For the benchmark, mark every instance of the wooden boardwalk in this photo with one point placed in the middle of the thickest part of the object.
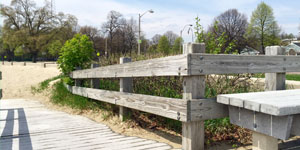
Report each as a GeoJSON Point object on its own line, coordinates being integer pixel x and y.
{"type": "Point", "coordinates": [27, 125]}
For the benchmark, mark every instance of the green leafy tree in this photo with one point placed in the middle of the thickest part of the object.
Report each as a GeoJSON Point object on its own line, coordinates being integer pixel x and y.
{"type": "Point", "coordinates": [54, 48]}
{"type": "Point", "coordinates": [76, 52]}
{"type": "Point", "coordinates": [263, 26]}
{"type": "Point", "coordinates": [34, 27]}
{"type": "Point", "coordinates": [214, 43]}
{"type": "Point", "coordinates": [176, 49]}
{"type": "Point", "coordinates": [19, 51]}
{"type": "Point", "coordinates": [163, 45]}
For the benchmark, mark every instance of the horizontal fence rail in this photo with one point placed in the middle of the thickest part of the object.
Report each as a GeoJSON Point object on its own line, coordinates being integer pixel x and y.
{"type": "Point", "coordinates": [202, 64]}
{"type": "Point", "coordinates": [177, 109]}
{"type": "Point", "coordinates": [167, 66]}
{"type": "Point", "coordinates": [195, 64]}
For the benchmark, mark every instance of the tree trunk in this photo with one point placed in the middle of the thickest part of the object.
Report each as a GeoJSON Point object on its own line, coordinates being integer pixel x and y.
{"type": "Point", "coordinates": [34, 57]}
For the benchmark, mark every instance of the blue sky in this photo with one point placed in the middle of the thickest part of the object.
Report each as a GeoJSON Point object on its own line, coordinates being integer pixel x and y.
{"type": "Point", "coordinates": [174, 14]}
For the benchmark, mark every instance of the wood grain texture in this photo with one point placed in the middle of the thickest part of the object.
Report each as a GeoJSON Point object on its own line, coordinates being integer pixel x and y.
{"type": "Point", "coordinates": [167, 66]}
{"type": "Point", "coordinates": [166, 107]}
{"type": "Point", "coordinates": [201, 64]}
{"type": "Point", "coordinates": [206, 109]}
{"type": "Point", "coordinates": [177, 109]}
{"type": "Point", "coordinates": [193, 88]}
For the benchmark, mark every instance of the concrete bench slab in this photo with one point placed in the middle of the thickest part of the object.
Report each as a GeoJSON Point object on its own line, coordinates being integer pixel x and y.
{"type": "Point", "coordinates": [277, 103]}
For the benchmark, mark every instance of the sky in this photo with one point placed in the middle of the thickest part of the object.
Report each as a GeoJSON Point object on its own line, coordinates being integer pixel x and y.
{"type": "Point", "coordinates": [173, 14]}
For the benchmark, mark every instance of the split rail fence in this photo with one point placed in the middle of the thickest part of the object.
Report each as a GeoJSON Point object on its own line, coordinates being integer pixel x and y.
{"type": "Point", "coordinates": [192, 65]}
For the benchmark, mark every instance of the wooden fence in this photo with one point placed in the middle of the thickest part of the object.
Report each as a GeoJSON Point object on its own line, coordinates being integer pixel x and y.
{"type": "Point", "coordinates": [193, 65]}
{"type": "Point", "coordinates": [39, 64]}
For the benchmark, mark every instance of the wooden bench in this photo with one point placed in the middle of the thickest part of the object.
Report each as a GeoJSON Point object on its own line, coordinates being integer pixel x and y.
{"type": "Point", "coordinates": [271, 115]}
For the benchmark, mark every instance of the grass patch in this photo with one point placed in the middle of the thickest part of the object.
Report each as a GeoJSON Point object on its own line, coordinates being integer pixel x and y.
{"type": "Point", "coordinates": [293, 77]}
{"type": "Point", "coordinates": [44, 85]}
{"type": "Point", "coordinates": [61, 96]}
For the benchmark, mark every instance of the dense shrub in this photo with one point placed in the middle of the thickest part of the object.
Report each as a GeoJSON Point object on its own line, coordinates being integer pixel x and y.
{"type": "Point", "coordinates": [76, 52]}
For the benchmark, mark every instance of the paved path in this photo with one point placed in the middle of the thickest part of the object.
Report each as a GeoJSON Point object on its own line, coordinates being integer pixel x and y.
{"type": "Point", "coordinates": [27, 125]}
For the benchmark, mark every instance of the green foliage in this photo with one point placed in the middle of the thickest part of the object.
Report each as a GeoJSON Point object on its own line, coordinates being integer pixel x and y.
{"type": "Point", "coordinates": [199, 31]}
{"type": "Point", "coordinates": [33, 27]}
{"type": "Point", "coordinates": [295, 77]}
{"type": "Point", "coordinates": [214, 43]}
{"type": "Point", "coordinates": [19, 51]}
{"type": "Point", "coordinates": [76, 52]}
{"type": "Point", "coordinates": [44, 85]}
{"type": "Point", "coordinates": [263, 26]}
{"type": "Point", "coordinates": [163, 45]}
{"type": "Point", "coordinates": [176, 49]}
{"type": "Point", "coordinates": [54, 48]}
{"type": "Point", "coordinates": [60, 95]}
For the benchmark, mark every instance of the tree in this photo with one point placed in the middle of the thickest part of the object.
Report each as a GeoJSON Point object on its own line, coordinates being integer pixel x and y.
{"type": "Point", "coordinates": [34, 27]}
{"type": "Point", "coordinates": [171, 37]}
{"type": "Point", "coordinates": [19, 51]}
{"type": "Point", "coordinates": [54, 48]}
{"type": "Point", "coordinates": [176, 49]}
{"type": "Point", "coordinates": [155, 39]}
{"type": "Point", "coordinates": [234, 25]}
{"type": "Point", "coordinates": [94, 35]}
{"type": "Point", "coordinates": [112, 24]}
{"type": "Point", "coordinates": [76, 52]}
{"type": "Point", "coordinates": [215, 44]}
{"type": "Point", "coordinates": [263, 24]}
{"type": "Point", "coordinates": [163, 45]}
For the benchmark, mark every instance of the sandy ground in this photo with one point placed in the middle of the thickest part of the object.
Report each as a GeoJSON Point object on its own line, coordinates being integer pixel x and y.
{"type": "Point", "coordinates": [18, 80]}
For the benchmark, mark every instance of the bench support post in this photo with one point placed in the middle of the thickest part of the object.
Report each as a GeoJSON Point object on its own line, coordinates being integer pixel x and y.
{"type": "Point", "coordinates": [264, 142]}
{"type": "Point", "coordinates": [193, 88]}
{"type": "Point", "coordinates": [125, 86]}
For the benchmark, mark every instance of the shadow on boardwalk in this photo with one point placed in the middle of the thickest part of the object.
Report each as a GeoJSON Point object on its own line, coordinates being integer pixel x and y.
{"type": "Point", "coordinates": [8, 135]}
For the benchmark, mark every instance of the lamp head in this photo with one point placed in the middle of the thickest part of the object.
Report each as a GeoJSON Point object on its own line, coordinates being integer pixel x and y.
{"type": "Point", "coordinates": [151, 11]}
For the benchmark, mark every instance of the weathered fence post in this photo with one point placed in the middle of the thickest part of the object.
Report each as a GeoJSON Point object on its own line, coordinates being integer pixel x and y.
{"type": "Point", "coordinates": [125, 86]}
{"type": "Point", "coordinates": [193, 88]}
{"type": "Point", "coordinates": [273, 81]}
{"type": "Point", "coordinates": [95, 83]}
{"type": "Point", "coordinates": [78, 82]}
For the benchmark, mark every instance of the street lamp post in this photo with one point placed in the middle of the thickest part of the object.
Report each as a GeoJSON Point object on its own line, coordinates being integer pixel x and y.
{"type": "Point", "coordinates": [181, 33]}
{"type": "Point", "coordinates": [139, 37]}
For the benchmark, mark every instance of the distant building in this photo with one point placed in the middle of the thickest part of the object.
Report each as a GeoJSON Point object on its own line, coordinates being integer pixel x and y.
{"type": "Point", "coordinates": [293, 48]}
{"type": "Point", "coordinates": [249, 51]}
